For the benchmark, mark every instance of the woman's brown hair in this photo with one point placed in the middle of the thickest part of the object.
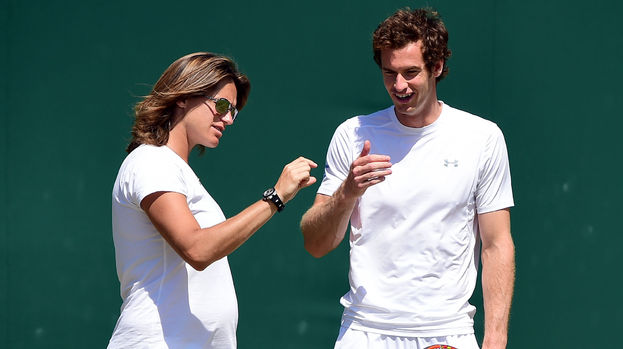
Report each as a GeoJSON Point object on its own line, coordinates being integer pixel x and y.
{"type": "Point", "coordinates": [196, 74]}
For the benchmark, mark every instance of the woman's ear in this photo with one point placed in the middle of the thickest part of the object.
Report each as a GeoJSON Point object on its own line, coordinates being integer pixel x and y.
{"type": "Point", "coordinates": [181, 103]}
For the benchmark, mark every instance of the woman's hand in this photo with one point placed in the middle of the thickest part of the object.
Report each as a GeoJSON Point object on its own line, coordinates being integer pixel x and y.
{"type": "Point", "coordinates": [294, 177]}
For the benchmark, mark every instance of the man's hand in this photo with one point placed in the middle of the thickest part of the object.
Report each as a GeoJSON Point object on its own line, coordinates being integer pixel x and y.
{"type": "Point", "coordinates": [366, 171]}
{"type": "Point", "coordinates": [324, 224]}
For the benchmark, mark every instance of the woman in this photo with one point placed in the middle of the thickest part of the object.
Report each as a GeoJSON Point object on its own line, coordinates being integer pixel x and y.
{"type": "Point", "coordinates": [171, 238]}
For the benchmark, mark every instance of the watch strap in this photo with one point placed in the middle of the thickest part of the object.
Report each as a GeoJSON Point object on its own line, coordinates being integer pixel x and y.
{"type": "Point", "coordinates": [270, 195]}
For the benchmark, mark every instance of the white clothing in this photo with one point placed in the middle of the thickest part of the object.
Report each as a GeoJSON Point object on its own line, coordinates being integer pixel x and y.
{"type": "Point", "coordinates": [167, 303]}
{"type": "Point", "coordinates": [414, 237]}
{"type": "Point", "coordinates": [354, 339]}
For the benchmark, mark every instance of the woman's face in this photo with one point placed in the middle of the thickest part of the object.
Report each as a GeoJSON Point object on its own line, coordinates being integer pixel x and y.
{"type": "Point", "coordinates": [204, 124]}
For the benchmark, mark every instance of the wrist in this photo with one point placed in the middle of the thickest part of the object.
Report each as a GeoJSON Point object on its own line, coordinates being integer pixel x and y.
{"type": "Point", "coordinates": [494, 342]}
{"type": "Point", "coordinates": [281, 193]}
{"type": "Point", "coordinates": [343, 196]}
{"type": "Point", "coordinates": [271, 196]}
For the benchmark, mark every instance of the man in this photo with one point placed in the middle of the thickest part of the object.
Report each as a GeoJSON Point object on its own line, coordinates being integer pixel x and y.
{"type": "Point", "coordinates": [425, 187]}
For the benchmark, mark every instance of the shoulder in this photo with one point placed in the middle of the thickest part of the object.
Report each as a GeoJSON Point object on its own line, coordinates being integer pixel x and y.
{"type": "Point", "coordinates": [156, 155]}
{"type": "Point", "coordinates": [148, 169]}
{"type": "Point", "coordinates": [464, 121]}
{"type": "Point", "coordinates": [374, 120]}
{"type": "Point", "coordinates": [146, 152]}
{"type": "Point", "coordinates": [150, 160]}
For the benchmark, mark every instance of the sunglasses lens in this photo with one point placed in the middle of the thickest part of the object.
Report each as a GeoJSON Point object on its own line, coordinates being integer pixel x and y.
{"type": "Point", "coordinates": [222, 106]}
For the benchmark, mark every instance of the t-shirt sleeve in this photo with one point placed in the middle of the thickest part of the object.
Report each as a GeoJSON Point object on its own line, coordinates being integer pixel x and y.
{"type": "Point", "coordinates": [494, 191]}
{"type": "Point", "coordinates": [154, 175]}
{"type": "Point", "coordinates": [339, 159]}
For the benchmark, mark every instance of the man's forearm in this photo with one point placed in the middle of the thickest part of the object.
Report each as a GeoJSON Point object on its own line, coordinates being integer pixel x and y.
{"type": "Point", "coordinates": [325, 223]}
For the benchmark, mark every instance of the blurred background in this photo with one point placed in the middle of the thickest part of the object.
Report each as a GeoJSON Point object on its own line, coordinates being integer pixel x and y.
{"type": "Point", "coordinates": [548, 73]}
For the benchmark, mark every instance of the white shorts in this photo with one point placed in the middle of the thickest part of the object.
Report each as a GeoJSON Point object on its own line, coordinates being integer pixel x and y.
{"type": "Point", "coordinates": [356, 339]}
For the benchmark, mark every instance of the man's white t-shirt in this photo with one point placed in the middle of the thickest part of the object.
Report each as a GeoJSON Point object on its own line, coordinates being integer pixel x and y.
{"type": "Point", "coordinates": [166, 303]}
{"type": "Point", "coordinates": [414, 237]}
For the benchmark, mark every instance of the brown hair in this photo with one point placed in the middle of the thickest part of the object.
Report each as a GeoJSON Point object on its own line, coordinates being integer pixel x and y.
{"type": "Point", "coordinates": [195, 74]}
{"type": "Point", "coordinates": [406, 26]}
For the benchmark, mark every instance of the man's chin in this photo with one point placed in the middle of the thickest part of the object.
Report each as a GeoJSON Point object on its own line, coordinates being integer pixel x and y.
{"type": "Point", "coordinates": [405, 110]}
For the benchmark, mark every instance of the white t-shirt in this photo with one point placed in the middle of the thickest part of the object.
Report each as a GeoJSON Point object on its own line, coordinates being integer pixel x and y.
{"type": "Point", "coordinates": [414, 237]}
{"type": "Point", "coordinates": [166, 303]}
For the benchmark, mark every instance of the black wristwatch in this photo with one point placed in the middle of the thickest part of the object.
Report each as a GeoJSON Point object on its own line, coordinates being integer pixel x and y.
{"type": "Point", "coordinates": [270, 195]}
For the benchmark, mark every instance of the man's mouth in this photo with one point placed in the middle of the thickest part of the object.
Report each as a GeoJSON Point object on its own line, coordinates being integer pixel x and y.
{"type": "Point", "coordinates": [403, 97]}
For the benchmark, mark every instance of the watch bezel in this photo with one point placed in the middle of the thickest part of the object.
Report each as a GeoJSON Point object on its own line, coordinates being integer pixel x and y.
{"type": "Point", "coordinates": [271, 195]}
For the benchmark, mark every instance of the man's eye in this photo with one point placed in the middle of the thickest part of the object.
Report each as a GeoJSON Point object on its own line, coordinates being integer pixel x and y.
{"type": "Point", "coordinates": [412, 73]}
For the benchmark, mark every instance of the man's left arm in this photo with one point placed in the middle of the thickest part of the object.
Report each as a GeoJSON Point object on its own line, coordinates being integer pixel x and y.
{"type": "Point", "coordinates": [498, 275]}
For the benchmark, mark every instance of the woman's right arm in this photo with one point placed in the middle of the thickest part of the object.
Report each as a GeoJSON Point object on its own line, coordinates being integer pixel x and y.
{"type": "Point", "coordinates": [171, 216]}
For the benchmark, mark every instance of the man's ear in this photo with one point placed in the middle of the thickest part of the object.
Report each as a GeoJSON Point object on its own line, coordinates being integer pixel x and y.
{"type": "Point", "coordinates": [439, 68]}
{"type": "Point", "coordinates": [181, 103]}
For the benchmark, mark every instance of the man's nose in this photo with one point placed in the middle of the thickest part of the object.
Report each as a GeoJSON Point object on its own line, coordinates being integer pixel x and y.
{"type": "Point", "coordinates": [400, 83]}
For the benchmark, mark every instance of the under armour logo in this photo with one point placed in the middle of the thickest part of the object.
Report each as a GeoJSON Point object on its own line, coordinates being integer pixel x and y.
{"type": "Point", "coordinates": [448, 163]}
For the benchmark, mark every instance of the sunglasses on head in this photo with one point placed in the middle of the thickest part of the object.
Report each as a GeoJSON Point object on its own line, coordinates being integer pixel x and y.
{"type": "Point", "coordinates": [222, 106]}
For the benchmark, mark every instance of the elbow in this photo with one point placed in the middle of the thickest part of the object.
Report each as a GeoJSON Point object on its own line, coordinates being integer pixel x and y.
{"type": "Point", "coordinates": [499, 253]}
{"type": "Point", "coordinates": [508, 247]}
{"type": "Point", "coordinates": [198, 266]}
{"type": "Point", "coordinates": [316, 253]}
{"type": "Point", "coordinates": [315, 250]}
{"type": "Point", "coordinates": [198, 261]}
{"type": "Point", "coordinates": [312, 247]}
{"type": "Point", "coordinates": [316, 241]}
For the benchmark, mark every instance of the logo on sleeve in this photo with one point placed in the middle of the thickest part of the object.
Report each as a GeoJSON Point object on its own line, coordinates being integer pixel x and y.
{"type": "Point", "coordinates": [440, 346]}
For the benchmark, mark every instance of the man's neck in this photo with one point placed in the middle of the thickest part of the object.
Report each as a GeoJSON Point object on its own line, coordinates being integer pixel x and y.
{"type": "Point", "coordinates": [421, 118]}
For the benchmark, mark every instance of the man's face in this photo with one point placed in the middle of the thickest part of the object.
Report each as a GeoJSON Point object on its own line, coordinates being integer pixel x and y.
{"type": "Point", "coordinates": [410, 85]}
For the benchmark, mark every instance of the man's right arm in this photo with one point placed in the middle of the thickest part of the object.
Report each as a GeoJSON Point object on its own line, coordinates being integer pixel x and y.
{"type": "Point", "coordinates": [325, 223]}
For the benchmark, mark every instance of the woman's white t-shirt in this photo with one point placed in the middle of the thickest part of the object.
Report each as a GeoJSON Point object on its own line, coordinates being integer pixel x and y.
{"type": "Point", "coordinates": [167, 303]}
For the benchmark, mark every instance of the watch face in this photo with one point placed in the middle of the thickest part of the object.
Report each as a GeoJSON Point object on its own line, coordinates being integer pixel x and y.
{"type": "Point", "coordinates": [269, 191]}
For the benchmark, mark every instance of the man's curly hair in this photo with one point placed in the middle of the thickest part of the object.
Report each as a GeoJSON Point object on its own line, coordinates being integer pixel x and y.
{"type": "Point", "coordinates": [406, 26]}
